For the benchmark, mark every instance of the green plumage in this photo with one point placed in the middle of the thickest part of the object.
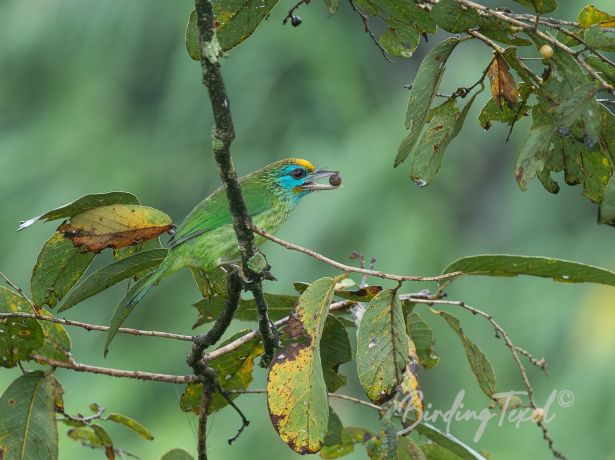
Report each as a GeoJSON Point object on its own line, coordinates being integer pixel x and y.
{"type": "Point", "coordinates": [206, 237]}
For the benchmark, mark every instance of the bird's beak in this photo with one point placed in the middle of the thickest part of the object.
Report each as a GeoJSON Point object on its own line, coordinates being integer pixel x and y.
{"type": "Point", "coordinates": [311, 185]}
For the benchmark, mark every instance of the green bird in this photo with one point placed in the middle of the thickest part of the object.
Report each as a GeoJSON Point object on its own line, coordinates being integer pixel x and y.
{"type": "Point", "coordinates": [206, 237]}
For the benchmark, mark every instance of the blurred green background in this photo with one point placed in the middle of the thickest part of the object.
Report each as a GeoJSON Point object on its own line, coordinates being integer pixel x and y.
{"type": "Point", "coordinates": [101, 95]}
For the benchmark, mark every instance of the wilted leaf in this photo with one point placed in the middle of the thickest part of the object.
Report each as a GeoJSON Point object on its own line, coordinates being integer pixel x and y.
{"type": "Point", "coordinates": [422, 335]}
{"type": "Point", "coordinates": [591, 15]}
{"type": "Point", "coordinates": [27, 418]}
{"type": "Point", "coordinates": [334, 351]}
{"type": "Point", "coordinates": [480, 365]}
{"type": "Point", "coordinates": [132, 424]}
{"type": "Point", "coordinates": [454, 17]}
{"type": "Point", "coordinates": [105, 439]}
{"type": "Point", "coordinates": [233, 372]}
{"type": "Point", "coordinates": [86, 436]}
{"type": "Point", "coordinates": [540, 6]}
{"type": "Point", "coordinates": [177, 454]}
{"type": "Point", "coordinates": [422, 93]}
{"type": "Point", "coordinates": [444, 125]}
{"type": "Point", "coordinates": [503, 84]}
{"type": "Point", "coordinates": [115, 226]}
{"type": "Point", "coordinates": [18, 336]}
{"type": "Point", "coordinates": [296, 389]}
{"type": "Point", "coordinates": [494, 111]}
{"type": "Point", "coordinates": [111, 274]}
{"type": "Point", "coordinates": [382, 347]}
{"type": "Point", "coordinates": [350, 436]}
{"type": "Point", "coordinates": [58, 267]}
{"type": "Point", "coordinates": [598, 38]}
{"type": "Point", "coordinates": [507, 265]}
{"type": "Point", "coordinates": [83, 204]}
{"type": "Point", "coordinates": [279, 306]}
{"type": "Point", "coordinates": [448, 442]}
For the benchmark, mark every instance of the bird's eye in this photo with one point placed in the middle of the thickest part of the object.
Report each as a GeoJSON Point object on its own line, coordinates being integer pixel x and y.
{"type": "Point", "coordinates": [298, 173]}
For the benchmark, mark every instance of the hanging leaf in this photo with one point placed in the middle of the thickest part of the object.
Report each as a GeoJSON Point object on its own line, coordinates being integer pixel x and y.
{"type": "Point", "coordinates": [350, 436]}
{"type": "Point", "coordinates": [540, 6]}
{"type": "Point", "coordinates": [508, 265]}
{"type": "Point", "coordinates": [480, 365]}
{"type": "Point", "coordinates": [332, 5]}
{"type": "Point", "coordinates": [18, 336]}
{"type": "Point", "coordinates": [111, 274]}
{"type": "Point", "coordinates": [115, 226]}
{"type": "Point", "coordinates": [422, 335]}
{"type": "Point", "coordinates": [334, 351]}
{"type": "Point", "coordinates": [177, 454]}
{"type": "Point", "coordinates": [105, 439]}
{"type": "Point", "coordinates": [400, 42]}
{"type": "Point", "coordinates": [382, 347]}
{"type": "Point", "coordinates": [296, 390]}
{"type": "Point", "coordinates": [83, 204]}
{"type": "Point", "coordinates": [591, 15]}
{"type": "Point", "coordinates": [279, 306]}
{"type": "Point", "coordinates": [58, 268]}
{"type": "Point", "coordinates": [445, 123]}
{"type": "Point", "coordinates": [334, 430]}
{"type": "Point", "coordinates": [132, 424]}
{"type": "Point", "coordinates": [233, 372]}
{"type": "Point", "coordinates": [86, 436]}
{"type": "Point", "coordinates": [454, 17]}
{"type": "Point", "coordinates": [503, 84]}
{"type": "Point", "coordinates": [27, 418]}
{"type": "Point", "coordinates": [422, 93]}
{"type": "Point", "coordinates": [210, 283]}
{"type": "Point", "coordinates": [533, 153]}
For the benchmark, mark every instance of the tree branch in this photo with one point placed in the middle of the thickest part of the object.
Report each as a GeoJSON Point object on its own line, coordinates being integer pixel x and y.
{"type": "Point", "coordinates": [368, 31]}
{"type": "Point", "coordinates": [223, 135]}
{"type": "Point", "coordinates": [349, 268]}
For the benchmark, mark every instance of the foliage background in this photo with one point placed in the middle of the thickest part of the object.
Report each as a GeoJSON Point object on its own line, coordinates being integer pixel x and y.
{"type": "Point", "coordinates": [98, 96]}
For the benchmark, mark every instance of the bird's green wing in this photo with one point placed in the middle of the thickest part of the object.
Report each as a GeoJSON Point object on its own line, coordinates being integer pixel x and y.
{"type": "Point", "coordinates": [213, 211]}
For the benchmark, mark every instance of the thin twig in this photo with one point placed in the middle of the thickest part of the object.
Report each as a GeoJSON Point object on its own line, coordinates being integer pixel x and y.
{"type": "Point", "coordinates": [349, 268]}
{"type": "Point", "coordinates": [540, 363]}
{"type": "Point", "coordinates": [295, 20]}
{"type": "Point", "coordinates": [368, 31]}
{"type": "Point", "coordinates": [244, 420]}
{"type": "Point", "coordinates": [19, 291]}
{"type": "Point", "coordinates": [138, 375]}
{"type": "Point", "coordinates": [96, 327]}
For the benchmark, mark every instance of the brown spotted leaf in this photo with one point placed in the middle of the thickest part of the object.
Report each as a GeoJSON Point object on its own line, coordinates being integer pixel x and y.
{"type": "Point", "coordinates": [382, 347]}
{"type": "Point", "coordinates": [296, 389]}
{"type": "Point", "coordinates": [503, 84]}
{"type": "Point", "coordinates": [115, 226]}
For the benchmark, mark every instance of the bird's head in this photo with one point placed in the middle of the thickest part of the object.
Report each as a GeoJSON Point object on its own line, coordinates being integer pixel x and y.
{"type": "Point", "coordinates": [296, 178]}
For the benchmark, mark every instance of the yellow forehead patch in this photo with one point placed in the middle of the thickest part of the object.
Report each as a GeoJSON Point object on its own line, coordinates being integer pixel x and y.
{"type": "Point", "coordinates": [306, 164]}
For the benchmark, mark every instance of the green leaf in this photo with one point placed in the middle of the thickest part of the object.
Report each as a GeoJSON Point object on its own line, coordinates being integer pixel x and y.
{"type": "Point", "coordinates": [233, 372]}
{"type": "Point", "coordinates": [86, 436]}
{"type": "Point", "coordinates": [123, 310]}
{"type": "Point", "coordinates": [422, 335]}
{"type": "Point", "coordinates": [540, 6]}
{"type": "Point", "coordinates": [279, 306]}
{"type": "Point", "coordinates": [192, 37]}
{"type": "Point", "coordinates": [400, 42]}
{"type": "Point", "coordinates": [296, 389]}
{"type": "Point", "coordinates": [531, 156]}
{"type": "Point", "coordinates": [132, 424]}
{"type": "Point", "coordinates": [18, 336]}
{"type": "Point", "coordinates": [177, 454]}
{"type": "Point", "coordinates": [334, 351]}
{"type": "Point", "coordinates": [83, 204]}
{"type": "Point", "coordinates": [28, 427]}
{"type": "Point", "coordinates": [605, 70]}
{"type": "Point", "coordinates": [500, 31]}
{"type": "Point", "coordinates": [453, 17]}
{"type": "Point", "coordinates": [115, 226]}
{"type": "Point", "coordinates": [58, 268]}
{"type": "Point", "coordinates": [449, 442]}
{"type": "Point", "coordinates": [422, 93]}
{"type": "Point", "coordinates": [598, 38]}
{"type": "Point", "coordinates": [382, 347]}
{"type": "Point", "coordinates": [445, 123]}
{"type": "Point", "coordinates": [332, 5]}
{"type": "Point", "coordinates": [334, 430]}
{"type": "Point", "coordinates": [364, 294]}
{"type": "Point", "coordinates": [350, 436]}
{"type": "Point", "coordinates": [494, 111]}
{"type": "Point", "coordinates": [407, 449]}
{"type": "Point", "coordinates": [572, 109]}
{"type": "Point", "coordinates": [591, 15]}
{"type": "Point", "coordinates": [480, 365]}
{"type": "Point", "coordinates": [56, 341]}
{"type": "Point", "coordinates": [122, 253]}
{"type": "Point", "coordinates": [210, 283]}
{"type": "Point", "coordinates": [509, 265]}
{"type": "Point", "coordinates": [111, 274]}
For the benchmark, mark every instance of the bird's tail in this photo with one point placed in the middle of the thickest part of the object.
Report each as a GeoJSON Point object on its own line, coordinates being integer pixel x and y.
{"type": "Point", "coordinates": [146, 286]}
